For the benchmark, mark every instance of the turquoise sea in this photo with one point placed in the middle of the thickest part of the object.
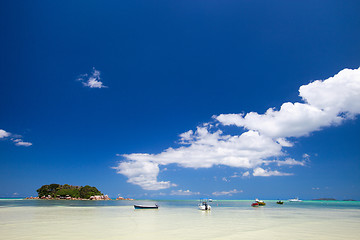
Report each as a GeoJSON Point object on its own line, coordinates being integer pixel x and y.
{"type": "Point", "coordinates": [51, 219]}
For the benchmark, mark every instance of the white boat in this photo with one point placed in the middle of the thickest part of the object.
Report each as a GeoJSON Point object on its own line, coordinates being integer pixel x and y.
{"type": "Point", "coordinates": [295, 200]}
{"type": "Point", "coordinates": [260, 202]}
{"type": "Point", "coordinates": [146, 207]}
{"type": "Point", "coordinates": [204, 205]}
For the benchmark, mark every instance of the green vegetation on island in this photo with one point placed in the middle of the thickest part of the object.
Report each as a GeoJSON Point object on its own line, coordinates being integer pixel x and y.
{"type": "Point", "coordinates": [61, 191]}
{"type": "Point", "coordinates": [325, 199]}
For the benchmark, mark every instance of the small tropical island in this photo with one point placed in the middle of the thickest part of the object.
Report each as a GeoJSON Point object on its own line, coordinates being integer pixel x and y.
{"type": "Point", "coordinates": [69, 192]}
{"type": "Point", "coordinates": [325, 199]}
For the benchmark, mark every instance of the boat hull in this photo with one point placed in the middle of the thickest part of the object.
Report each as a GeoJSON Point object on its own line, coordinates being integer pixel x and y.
{"type": "Point", "coordinates": [146, 207]}
{"type": "Point", "coordinates": [204, 208]}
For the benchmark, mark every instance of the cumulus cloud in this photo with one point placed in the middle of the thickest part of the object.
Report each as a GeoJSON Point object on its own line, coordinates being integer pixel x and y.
{"type": "Point", "coordinates": [20, 142]}
{"type": "Point", "coordinates": [92, 80]}
{"type": "Point", "coordinates": [338, 94]}
{"type": "Point", "coordinates": [290, 162]}
{"type": "Point", "coordinates": [306, 157]}
{"type": "Point", "coordinates": [4, 134]}
{"type": "Point", "coordinates": [292, 120]}
{"type": "Point", "coordinates": [260, 172]}
{"type": "Point", "coordinates": [184, 193]}
{"type": "Point", "coordinates": [325, 103]}
{"type": "Point", "coordinates": [228, 193]}
{"type": "Point", "coordinates": [283, 142]}
{"type": "Point", "coordinates": [205, 149]}
{"type": "Point", "coordinates": [235, 175]}
{"type": "Point", "coordinates": [143, 173]}
{"type": "Point", "coordinates": [14, 138]}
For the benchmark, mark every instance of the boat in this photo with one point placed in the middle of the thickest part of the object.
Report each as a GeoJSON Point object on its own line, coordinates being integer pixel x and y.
{"type": "Point", "coordinates": [295, 200]}
{"type": "Point", "coordinates": [280, 202]}
{"type": "Point", "coordinates": [260, 202]}
{"type": "Point", "coordinates": [255, 204]}
{"type": "Point", "coordinates": [204, 205]}
{"type": "Point", "coordinates": [146, 207]}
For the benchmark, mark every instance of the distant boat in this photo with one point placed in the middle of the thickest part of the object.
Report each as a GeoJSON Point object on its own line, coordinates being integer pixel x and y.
{"type": "Point", "coordinates": [204, 205]}
{"type": "Point", "coordinates": [146, 207]}
{"type": "Point", "coordinates": [255, 204]}
{"type": "Point", "coordinates": [260, 202]}
{"type": "Point", "coordinates": [295, 200]}
{"type": "Point", "coordinates": [280, 202]}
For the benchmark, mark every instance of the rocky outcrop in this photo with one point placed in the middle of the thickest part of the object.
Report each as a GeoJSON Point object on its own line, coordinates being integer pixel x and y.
{"type": "Point", "coordinates": [67, 197]}
{"type": "Point", "coordinates": [32, 198]}
{"type": "Point", "coordinates": [121, 198]}
{"type": "Point", "coordinates": [100, 197]}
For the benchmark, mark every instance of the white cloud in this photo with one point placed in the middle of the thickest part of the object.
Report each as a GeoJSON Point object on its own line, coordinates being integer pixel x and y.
{"type": "Point", "coordinates": [260, 172]}
{"type": "Point", "coordinates": [186, 136]}
{"type": "Point", "coordinates": [306, 156]}
{"type": "Point", "coordinates": [208, 149]}
{"type": "Point", "coordinates": [290, 162]}
{"type": "Point", "coordinates": [183, 193]}
{"type": "Point", "coordinates": [327, 103]}
{"type": "Point", "coordinates": [292, 120]}
{"type": "Point", "coordinates": [235, 175]}
{"type": "Point", "coordinates": [229, 193]}
{"type": "Point", "coordinates": [143, 174]}
{"type": "Point", "coordinates": [338, 94]}
{"type": "Point", "coordinates": [263, 139]}
{"type": "Point", "coordinates": [93, 80]}
{"type": "Point", "coordinates": [246, 174]}
{"type": "Point", "coordinates": [283, 142]}
{"type": "Point", "coordinates": [4, 134]}
{"type": "Point", "coordinates": [205, 150]}
{"type": "Point", "coordinates": [14, 138]}
{"type": "Point", "coordinates": [19, 142]}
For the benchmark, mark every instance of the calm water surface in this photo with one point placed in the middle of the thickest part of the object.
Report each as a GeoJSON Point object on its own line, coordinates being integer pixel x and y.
{"type": "Point", "coordinates": [51, 219]}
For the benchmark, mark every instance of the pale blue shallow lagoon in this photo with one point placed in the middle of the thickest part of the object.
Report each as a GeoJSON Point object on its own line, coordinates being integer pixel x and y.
{"type": "Point", "coordinates": [51, 219]}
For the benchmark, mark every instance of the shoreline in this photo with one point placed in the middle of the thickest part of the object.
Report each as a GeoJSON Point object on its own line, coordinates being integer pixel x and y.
{"type": "Point", "coordinates": [68, 198]}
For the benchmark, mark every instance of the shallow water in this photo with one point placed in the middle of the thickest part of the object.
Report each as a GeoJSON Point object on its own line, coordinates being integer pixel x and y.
{"type": "Point", "coordinates": [42, 219]}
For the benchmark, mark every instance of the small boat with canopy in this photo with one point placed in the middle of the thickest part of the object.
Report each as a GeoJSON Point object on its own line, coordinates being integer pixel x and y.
{"type": "Point", "coordinates": [204, 204]}
{"type": "Point", "coordinates": [260, 202]}
{"type": "Point", "coordinates": [295, 200]}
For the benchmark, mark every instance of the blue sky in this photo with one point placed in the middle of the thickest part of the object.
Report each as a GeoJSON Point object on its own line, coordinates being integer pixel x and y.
{"type": "Point", "coordinates": [88, 86]}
